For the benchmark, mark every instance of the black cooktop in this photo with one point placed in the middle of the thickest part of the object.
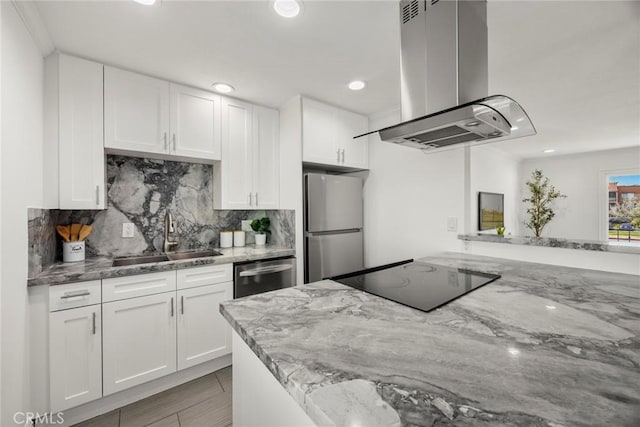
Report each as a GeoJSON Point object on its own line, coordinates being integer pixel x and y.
{"type": "Point", "coordinates": [417, 284]}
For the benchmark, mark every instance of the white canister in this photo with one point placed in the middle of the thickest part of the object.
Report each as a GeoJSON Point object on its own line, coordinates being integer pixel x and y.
{"type": "Point", "coordinates": [226, 239]}
{"type": "Point", "coordinates": [238, 238]}
{"type": "Point", "coordinates": [73, 251]}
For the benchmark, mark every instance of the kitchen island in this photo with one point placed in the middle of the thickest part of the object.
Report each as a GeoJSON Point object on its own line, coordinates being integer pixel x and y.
{"type": "Point", "coordinates": [542, 345]}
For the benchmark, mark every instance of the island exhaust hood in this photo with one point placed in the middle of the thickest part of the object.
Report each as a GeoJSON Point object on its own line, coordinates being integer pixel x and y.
{"type": "Point", "coordinates": [444, 80]}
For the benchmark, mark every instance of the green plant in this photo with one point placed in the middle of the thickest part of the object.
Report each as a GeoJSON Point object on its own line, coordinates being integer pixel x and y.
{"type": "Point", "coordinates": [543, 193]}
{"type": "Point", "coordinates": [500, 231]}
{"type": "Point", "coordinates": [261, 225]}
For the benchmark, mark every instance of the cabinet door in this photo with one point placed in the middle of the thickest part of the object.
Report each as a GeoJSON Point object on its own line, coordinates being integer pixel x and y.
{"type": "Point", "coordinates": [319, 133]}
{"type": "Point", "coordinates": [266, 160]}
{"type": "Point", "coordinates": [195, 123]}
{"type": "Point", "coordinates": [139, 340]}
{"type": "Point", "coordinates": [81, 142]}
{"type": "Point", "coordinates": [356, 151]}
{"type": "Point", "coordinates": [75, 357]}
{"type": "Point", "coordinates": [203, 334]}
{"type": "Point", "coordinates": [136, 116]}
{"type": "Point", "coordinates": [236, 173]}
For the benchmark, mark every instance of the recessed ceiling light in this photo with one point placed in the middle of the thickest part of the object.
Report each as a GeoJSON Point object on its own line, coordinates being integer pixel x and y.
{"type": "Point", "coordinates": [145, 2]}
{"type": "Point", "coordinates": [222, 87]}
{"type": "Point", "coordinates": [287, 8]}
{"type": "Point", "coordinates": [357, 85]}
{"type": "Point", "coordinates": [550, 150]}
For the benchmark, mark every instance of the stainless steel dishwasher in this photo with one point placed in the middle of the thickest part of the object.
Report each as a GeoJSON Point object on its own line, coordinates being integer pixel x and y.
{"type": "Point", "coordinates": [255, 277]}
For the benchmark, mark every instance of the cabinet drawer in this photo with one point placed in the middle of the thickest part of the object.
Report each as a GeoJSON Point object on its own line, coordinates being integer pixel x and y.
{"type": "Point", "coordinates": [72, 295]}
{"type": "Point", "coordinates": [201, 276]}
{"type": "Point", "coordinates": [137, 286]}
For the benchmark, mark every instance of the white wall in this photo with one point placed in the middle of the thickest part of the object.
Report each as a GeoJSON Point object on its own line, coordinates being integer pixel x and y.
{"type": "Point", "coordinates": [21, 183]}
{"type": "Point", "coordinates": [408, 196]}
{"type": "Point", "coordinates": [494, 171]}
{"type": "Point", "coordinates": [582, 177]}
{"type": "Point", "coordinates": [291, 171]}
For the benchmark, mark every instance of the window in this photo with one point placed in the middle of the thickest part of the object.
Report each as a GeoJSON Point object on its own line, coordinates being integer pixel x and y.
{"type": "Point", "coordinates": [624, 209]}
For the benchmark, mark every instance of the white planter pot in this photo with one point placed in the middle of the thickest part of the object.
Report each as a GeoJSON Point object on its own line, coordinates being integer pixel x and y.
{"type": "Point", "coordinates": [261, 239]}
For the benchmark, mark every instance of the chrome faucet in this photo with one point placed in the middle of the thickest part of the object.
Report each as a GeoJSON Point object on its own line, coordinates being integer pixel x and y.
{"type": "Point", "coordinates": [169, 228]}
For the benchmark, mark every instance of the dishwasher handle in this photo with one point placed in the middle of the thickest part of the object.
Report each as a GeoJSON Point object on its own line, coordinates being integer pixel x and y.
{"type": "Point", "coordinates": [265, 270]}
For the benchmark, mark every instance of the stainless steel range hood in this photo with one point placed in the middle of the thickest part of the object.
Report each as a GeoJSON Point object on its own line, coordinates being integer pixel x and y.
{"type": "Point", "coordinates": [444, 79]}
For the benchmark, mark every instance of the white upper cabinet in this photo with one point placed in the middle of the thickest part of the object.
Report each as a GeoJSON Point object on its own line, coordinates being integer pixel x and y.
{"type": "Point", "coordinates": [149, 116]}
{"type": "Point", "coordinates": [74, 128]}
{"type": "Point", "coordinates": [195, 123]}
{"type": "Point", "coordinates": [233, 178]}
{"type": "Point", "coordinates": [136, 116]}
{"type": "Point", "coordinates": [248, 175]}
{"type": "Point", "coordinates": [327, 136]}
{"type": "Point", "coordinates": [266, 159]}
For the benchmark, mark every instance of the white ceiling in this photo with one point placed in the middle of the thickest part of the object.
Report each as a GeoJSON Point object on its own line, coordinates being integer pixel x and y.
{"type": "Point", "coordinates": [574, 65]}
{"type": "Point", "coordinates": [267, 58]}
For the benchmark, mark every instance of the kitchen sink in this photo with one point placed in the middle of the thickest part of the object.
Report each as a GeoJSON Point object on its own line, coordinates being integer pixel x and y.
{"type": "Point", "coordinates": [175, 256]}
{"type": "Point", "coordinates": [135, 260]}
{"type": "Point", "coordinates": [171, 256]}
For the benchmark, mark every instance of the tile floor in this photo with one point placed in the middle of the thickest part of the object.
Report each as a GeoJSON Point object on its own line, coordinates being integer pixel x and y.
{"type": "Point", "coordinates": [204, 402]}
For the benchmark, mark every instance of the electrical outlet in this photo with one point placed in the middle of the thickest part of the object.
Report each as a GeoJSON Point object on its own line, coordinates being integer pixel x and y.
{"type": "Point", "coordinates": [246, 225]}
{"type": "Point", "coordinates": [128, 229]}
{"type": "Point", "coordinates": [452, 223]}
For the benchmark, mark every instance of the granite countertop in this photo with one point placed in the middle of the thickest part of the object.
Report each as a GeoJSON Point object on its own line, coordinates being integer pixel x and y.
{"type": "Point", "coordinates": [555, 242]}
{"type": "Point", "coordinates": [544, 345]}
{"type": "Point", "coordinates": [101, 267]}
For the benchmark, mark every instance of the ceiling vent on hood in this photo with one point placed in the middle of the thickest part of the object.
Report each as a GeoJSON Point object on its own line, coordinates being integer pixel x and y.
{"type": "Point", "coordinates": [444, 79]}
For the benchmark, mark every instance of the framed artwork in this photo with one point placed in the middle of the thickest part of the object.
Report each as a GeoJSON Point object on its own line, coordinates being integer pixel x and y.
{"type": "Point", "coordinates": [490, 210]}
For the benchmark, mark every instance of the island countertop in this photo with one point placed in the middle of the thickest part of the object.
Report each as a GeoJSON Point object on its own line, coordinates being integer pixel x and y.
{"type": "Point", "coordinates": [543, 345]}
{"type": "Point", "coordinates": [102, 267]}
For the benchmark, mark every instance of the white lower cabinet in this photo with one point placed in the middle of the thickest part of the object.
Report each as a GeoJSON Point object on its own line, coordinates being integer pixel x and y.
{"type": "Point", "coordinates": [110, 335]}
{"type": "Point", "coordinates": [75, 356]}
{"type": "Point", "coordinates": [139, 340]}
{"type": "Point", "coordinates": [203, 334]}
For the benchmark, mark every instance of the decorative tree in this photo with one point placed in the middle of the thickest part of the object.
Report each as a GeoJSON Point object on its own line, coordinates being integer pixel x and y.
{"type": "Point", "coordinates": [542, 196]}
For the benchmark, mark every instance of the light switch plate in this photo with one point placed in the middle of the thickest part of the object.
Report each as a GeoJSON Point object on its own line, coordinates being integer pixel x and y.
{"type": "Point", "coordinates": [452, 223]}
{"type": "Point", "coordinates": [246, 225]}
{"type": "Point", "coordinates": [128, 229]}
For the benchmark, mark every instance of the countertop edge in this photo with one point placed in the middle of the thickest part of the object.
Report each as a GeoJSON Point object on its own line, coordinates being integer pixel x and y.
{"type": "Point", "coordinates": [271, 366]}
{"type": "Point", "coordinates": [107, 271]}
{"type": "Point", "coordinates": [552, 242]}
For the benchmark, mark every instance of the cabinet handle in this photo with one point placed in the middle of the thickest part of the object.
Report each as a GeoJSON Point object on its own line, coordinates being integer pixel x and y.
{"type": "Point", "coordinates": [182, 304]}
{"type": "Point", "coordinates": [81, 294]}
{"type": "Point", "coordinates": [250, 199]}
{"type": "Point", "coordinates": [338, 160]}
{"type": "Point", "coordinates": [165, 142]}
{"type": "Point", "coordinates": [343, 155]}
{"type": "Point", "coordinates": [97, 195]}
{"type": "Point", "coordinates": [171, 306]}
{"type": "Point", "coordinates": [174, 142]}
{"type": "Point", "coordinates": [94, 323]}
{"type": "Point", "coordinates": [256, 199]}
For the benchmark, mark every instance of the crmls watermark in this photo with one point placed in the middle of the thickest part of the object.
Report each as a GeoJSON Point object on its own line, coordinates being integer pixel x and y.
{"type": "Point", "coordinates": [28, 419]}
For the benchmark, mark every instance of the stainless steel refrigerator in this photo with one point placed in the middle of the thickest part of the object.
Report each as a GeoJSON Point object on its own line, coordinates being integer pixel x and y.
{"type": "Point", "coordinates": [333, 225]}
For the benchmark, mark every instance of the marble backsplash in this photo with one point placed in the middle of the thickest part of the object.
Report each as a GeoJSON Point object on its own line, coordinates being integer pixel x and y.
{"type": "Point", "coordinates": [140, 191]}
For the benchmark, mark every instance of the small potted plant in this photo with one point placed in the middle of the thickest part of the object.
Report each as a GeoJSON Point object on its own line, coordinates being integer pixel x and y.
{"type": "Point", "coordinates": [500, 231]}
{"type": "Point", "coordinates": [261, 228]}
